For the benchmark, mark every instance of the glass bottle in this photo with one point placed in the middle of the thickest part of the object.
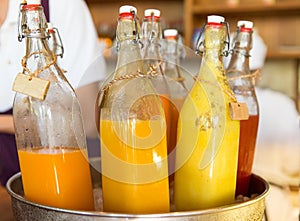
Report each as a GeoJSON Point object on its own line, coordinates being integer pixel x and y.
{"type": "Point", "coordinates": [55, 42]}
{"type": "Point", "coordinates": [49, 131]}
{"type": "Point", "coordinates": [207, 145]}
{"type": "Point", "coordinates": [177, 87]}
{"type": "Point", "coordinates": [240, 81]}
{"type": "Point", "coordinates": [152, 37]}
{"type": "Point", "coordinates": [132, 131]}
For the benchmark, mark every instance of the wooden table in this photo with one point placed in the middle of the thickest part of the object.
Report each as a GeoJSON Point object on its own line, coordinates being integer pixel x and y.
{"type": "Point", "coordinates": [5, 205]}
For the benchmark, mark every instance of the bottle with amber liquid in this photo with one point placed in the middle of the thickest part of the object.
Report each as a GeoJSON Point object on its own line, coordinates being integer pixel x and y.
{"type": "Point", "coordinates": [152, 41]}
{"type": "Point", "coordinates": [241, 82]}
{"type": "Point", "coordinates": [177, 86]}
{"type": "Point", "coordinates": [208, 136]}
{"type": "Point", "coordinates": [48, 123]}
{"type": "Point", "coordinates": [132, 130]}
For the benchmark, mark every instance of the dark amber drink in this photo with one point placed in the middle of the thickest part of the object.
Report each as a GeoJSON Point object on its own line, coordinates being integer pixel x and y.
{"type": "Point", "coordinates": [248, 133]}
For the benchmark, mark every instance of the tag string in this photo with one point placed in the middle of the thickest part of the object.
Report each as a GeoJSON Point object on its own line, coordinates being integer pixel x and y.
{"type": "Point", "coordinates": [227, 92]}
{"type": "Point", "coordinates": [36, 72]}
{"type": "Point", "coordinates": [253, 76]}
{"type": "Point", "coordinates": [151, 73]}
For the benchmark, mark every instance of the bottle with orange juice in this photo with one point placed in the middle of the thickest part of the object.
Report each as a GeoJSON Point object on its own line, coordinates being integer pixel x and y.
{"type": "Point", "coordinates": [208, 136]}
{"type": "Point", "coordinates": [132, 130]}
{"type": "Point", "coordinates": [48, 123]}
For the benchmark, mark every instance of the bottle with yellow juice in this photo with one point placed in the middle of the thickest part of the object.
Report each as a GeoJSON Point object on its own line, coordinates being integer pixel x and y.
{"type": "Point", "coordinates": [208, 137]}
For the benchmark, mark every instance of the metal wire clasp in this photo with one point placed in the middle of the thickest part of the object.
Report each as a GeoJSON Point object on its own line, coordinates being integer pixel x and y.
{"type": "Point", "coordinates": [137, 36]}
{"type": "Point", "coordinates": [20, 21]}
{"type": "Point", "coordinates": [152, 27]}
{"type": "Point", "coordinates": [199, 43]}
{"type": "Point", "coordinates": [200, 46]}
{"type": "Point", "coordinates": [59, 48]}
{"type": "Point", "coordinates": [226, 52]}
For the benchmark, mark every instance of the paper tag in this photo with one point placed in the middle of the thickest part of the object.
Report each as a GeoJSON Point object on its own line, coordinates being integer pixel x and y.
{"type": "Point", "coordinates": [32, 86]}
{"type": "Point", "coordinates": [238, 111]}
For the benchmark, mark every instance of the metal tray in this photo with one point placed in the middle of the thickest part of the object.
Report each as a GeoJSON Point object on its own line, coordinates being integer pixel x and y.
{"type": "Point", "coordinates": [251, 210]}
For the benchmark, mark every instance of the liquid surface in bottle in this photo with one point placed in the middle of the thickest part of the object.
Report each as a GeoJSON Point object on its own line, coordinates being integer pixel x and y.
{"type": "Point", "coordinates": [135, 166]}
{"type": "Point", "coordinates": [247, 144]}
{"type": "Point", "coordinates": [57, 177]}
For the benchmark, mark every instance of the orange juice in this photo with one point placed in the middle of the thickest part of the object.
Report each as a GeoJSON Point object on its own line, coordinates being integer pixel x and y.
{"type": "Point", "coordinates": [134, 166]}
{"type": "Point", "coordinates": [175, 107]}
{"type": "Point", "coordinates": [58, 177]}
{"type": "Point", "coordinates": [166, 103]}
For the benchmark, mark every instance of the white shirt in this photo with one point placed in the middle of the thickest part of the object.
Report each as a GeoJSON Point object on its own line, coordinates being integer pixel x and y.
{"type": "Point", "coordinates": [278, 120]}
{"type": "Point", "coordinates": [82, 59]}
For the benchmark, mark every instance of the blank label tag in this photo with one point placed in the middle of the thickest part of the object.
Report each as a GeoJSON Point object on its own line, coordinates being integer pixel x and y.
{"type": "Point", "coordinates": [238, 111]}
{"type": "Point", "coordinates": [32, 86]}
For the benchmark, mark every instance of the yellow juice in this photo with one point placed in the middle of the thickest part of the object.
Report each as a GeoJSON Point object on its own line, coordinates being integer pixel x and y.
{"type": "Point", "coordinates": [206, 154]}
{"type": "Point", "coordinates": [57, 177]}
{"type": "Point", "coordinates": [134, 166]}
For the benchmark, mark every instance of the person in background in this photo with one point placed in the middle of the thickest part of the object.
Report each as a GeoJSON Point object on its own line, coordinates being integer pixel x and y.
{"type": "Point", "coordinates": [82, 60]}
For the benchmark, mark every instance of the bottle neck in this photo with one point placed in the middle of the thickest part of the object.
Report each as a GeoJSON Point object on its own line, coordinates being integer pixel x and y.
{"type": "Point", "coordinates": [151, 32]}
{"type": "Point", "coordinates": [172, 58]}
{"type": "Point", "coordinates": [151, 28]}
{"type": "Point", "coordinates": [37, 46]}
{"type": "Point", "coordinates": [40, 59]}
{"type": "Point", "coordinates": [32, 27]}
{"type": "Point", "coordinates": [32, 22]}
{"type": "Point", "coordinates": [239, 62]}
{"type": "Point", "coordinates": [129, 56]}
{"type": "Point", "coordinates": [214, 44]}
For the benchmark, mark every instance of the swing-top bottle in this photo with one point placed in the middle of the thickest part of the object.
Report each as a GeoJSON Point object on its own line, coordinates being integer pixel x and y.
{"type": "Point", "coordinates": [207, 145]}
{"type": "Point", "coordinates": [48, 124]}
{"type": "Point", "coordinates": [152, 36]}
{"type": "Point", "coordinates": [241, 82]}
{"type": "Point", "coordinates": [132, 130]}
{"type": "Point", "coordinates": [177, 87]}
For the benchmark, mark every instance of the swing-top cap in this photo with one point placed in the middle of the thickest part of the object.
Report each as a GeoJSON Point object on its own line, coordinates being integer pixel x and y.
{"type": "Point", "coordinates": [245, 24]}
{"type": "Point", "coordinates": [215, 19]}
{"type": "Point", "coordinates": [33, 2]}
{"type": "Point", "coordinates": [127, 9]}
{"type": "Point", "coordinates": [170, 32]}
{"type": "Point", "coordinates": [50, 25]}
{"type": "Point", "coordinates": [148, 12]}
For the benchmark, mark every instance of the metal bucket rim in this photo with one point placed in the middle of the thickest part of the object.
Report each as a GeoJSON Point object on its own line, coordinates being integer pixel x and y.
{"type": "Point", "coordinates": [235, 205]}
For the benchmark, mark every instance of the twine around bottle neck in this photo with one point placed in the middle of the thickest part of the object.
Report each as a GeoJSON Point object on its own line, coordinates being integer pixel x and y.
{"type": "Point", "coordinates": [153, 72]}
{"type": "Point", "coordinates": [229, 93]}
{"type": "Point", "coordinates": [38, 71]}
{"type": "Point", "coordinates": [253, 76]}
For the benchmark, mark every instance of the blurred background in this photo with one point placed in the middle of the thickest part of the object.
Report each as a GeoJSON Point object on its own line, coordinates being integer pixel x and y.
{"type": "Point", "coordinates": [276, 21]}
